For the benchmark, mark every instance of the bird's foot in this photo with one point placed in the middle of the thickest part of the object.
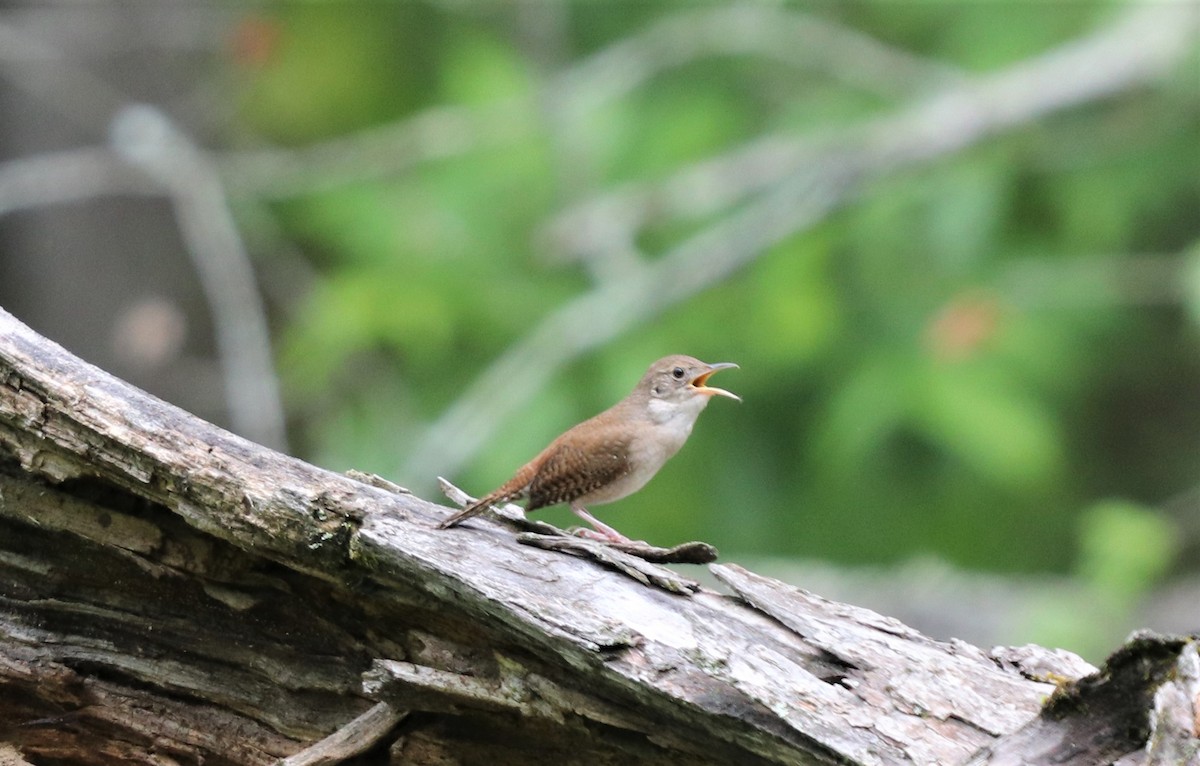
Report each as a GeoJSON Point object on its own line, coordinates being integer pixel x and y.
{"type": "Point", "coordinates": [601, 531]}
{"type": "Point", "coordinates": [607, 535]}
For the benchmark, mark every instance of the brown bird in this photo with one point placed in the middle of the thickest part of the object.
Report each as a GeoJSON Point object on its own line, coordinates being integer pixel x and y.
{"type": "Point", "coordinates": [615, 453]}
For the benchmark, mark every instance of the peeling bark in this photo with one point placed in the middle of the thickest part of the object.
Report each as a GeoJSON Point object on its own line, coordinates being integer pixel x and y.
{"type": "Point", "coordinates": [170, 592]}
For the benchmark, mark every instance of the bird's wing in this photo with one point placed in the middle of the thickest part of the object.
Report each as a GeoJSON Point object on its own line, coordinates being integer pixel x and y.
{"type": "Point", "coordinates": [568, 472]}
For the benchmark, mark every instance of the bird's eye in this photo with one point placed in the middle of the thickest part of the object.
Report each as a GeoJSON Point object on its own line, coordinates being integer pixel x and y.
{"type": "Point", "coordinates": [677, 373]}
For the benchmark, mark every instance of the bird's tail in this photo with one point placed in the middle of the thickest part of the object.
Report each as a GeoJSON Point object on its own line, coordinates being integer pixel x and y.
{"type": "Point", "coordinates": [474, 509]}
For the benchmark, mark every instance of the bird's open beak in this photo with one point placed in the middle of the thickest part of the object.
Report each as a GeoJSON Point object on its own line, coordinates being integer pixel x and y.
{"type": "Point", "coordinates": [699, 381]}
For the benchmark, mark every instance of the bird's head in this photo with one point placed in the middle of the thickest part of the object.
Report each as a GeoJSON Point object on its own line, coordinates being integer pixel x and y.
{"type": "Point", "coordinates": [678, 380]}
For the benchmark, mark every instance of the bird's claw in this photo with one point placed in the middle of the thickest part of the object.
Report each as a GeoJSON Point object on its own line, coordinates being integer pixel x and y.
{"type": "Point", "coordinates": [602, 537]}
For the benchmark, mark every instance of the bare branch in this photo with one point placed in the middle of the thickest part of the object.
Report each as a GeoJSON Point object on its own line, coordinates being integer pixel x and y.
{"type": "Point", "coordinates": [437, 133]}
{"type": "Point", "coordinates": [147, 139]}
{"type": "Point", "coordinates": [72, 175]}
{"type": "Point", "coordinates": [751, 29]}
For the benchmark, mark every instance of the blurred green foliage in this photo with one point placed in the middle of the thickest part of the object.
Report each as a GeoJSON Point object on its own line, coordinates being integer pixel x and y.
{"type": "Point", "coordinates": [958, 362]}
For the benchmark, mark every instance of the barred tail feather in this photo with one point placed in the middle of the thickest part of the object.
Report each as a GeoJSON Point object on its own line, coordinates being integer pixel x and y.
{"type": "Point", "coordinates": [514, 489]}
{"type": "Point", "coordinates": [474, 509]}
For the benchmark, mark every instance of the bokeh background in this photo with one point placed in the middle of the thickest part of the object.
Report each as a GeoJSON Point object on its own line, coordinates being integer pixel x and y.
{"type": "Point", "coordinates": [954, 246]}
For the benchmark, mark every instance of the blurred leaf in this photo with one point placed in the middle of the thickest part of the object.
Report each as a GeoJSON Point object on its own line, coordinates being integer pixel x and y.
{"type": "Point", "coordinates": [337, 68]}
{"type": "Point", "coordinates": [794, 309]}
{"type": "Point", "coordinates": [479, 68]}
{"type": "Point", "coordinates": [679, 124]}
{"type": "Point", "coordinates": [1125, 548]}
{"type": "Point", "coordinates": [1191, 282]}
{"type": "Point", "coordinates": [356, 311]}
{"type": "Point", "coordinates": [357, 225]}
{"type": "Point", "coordinates": [869, 406]}
{"type": "Point", "coordinates": [966, 208]}
{"type": "Point", "coordinates": [990, 424]}
{"type": "Point", "coordinates": [986, 35]}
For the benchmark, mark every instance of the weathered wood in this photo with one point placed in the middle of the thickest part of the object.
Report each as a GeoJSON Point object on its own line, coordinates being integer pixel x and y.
{"type": "Point", "coordinates": [1141, 708]}
{"type": "Point", "coordinates": [169, 591]}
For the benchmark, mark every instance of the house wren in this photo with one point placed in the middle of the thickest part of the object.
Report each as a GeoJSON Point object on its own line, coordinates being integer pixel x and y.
{"type": "Point", "coordinates": [615, 453]}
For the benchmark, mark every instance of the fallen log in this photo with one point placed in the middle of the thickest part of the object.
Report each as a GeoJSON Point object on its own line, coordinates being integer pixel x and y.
{"type": "Point", "coordinates": [170, 592]}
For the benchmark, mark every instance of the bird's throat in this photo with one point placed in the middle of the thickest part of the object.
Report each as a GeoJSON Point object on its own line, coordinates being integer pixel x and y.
{"type": "Point", "coordinates": [676, 414]}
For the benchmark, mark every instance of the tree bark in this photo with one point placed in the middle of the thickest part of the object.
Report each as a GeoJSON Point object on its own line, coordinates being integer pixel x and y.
{"type": "Point", "coordinates": [172, 593]}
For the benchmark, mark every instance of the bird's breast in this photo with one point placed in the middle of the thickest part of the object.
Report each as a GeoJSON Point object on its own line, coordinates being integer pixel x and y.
{"type": "Point", "coordinates": [647, 453]}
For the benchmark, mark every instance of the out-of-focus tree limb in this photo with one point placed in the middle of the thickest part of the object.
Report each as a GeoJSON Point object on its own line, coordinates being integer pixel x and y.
{"type": "Point", "coordinates": [70, 175]}
{"type": "Point", "coordinates": [151, 142]}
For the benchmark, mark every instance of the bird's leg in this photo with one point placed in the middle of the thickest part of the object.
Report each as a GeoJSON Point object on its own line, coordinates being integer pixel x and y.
{"type": "Point", "coordinates": [603, 531]}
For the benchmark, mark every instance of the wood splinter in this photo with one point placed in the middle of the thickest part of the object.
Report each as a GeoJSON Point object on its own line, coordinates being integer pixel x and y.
{"type": "Point", "coordinates": [355, 738]}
